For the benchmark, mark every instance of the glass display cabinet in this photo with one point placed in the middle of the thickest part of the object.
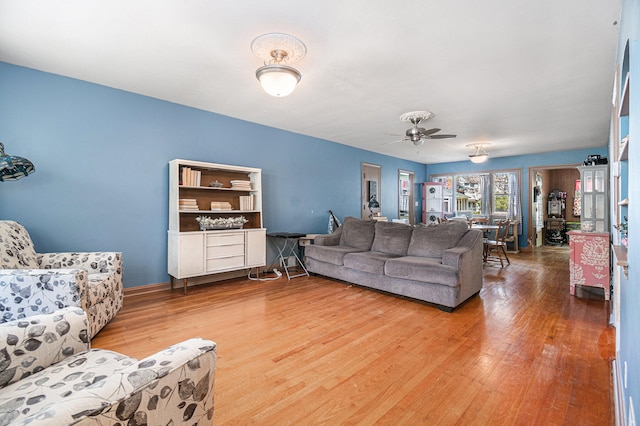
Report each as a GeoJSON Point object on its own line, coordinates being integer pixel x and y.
{"type": "Point", "coordinates": [594, 198]}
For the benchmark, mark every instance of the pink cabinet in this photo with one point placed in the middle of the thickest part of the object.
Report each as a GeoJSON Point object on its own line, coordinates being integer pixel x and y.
{"type": "Point", "coordinates": [589, 260]}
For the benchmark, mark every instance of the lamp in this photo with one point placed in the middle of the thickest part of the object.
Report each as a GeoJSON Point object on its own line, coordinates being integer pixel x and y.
{"type": "Point", "coordinates": [12, 167]}
{"type": "Point", "coordinates": [479, 155]}
{"type": "Point", "coordinates": [374, 206]}
{"type": "Point", "coordinates": [277, 50]}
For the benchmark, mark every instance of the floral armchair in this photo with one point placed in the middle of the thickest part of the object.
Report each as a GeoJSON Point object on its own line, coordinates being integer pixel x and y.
{"type": "Point", "coordinates": [32, 283]}
{"type": "Point", "coordinates": [49, 376]}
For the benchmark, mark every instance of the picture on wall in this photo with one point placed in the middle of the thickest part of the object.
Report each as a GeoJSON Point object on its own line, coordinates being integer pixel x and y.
{"type": "Point", "coordinates": [373, 190]}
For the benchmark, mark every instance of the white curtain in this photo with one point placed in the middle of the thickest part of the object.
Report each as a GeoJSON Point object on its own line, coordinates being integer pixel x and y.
{"type": "Point", "coordinates": [485, 182]}
{"type": "Point", "coordinates": [514, 211]}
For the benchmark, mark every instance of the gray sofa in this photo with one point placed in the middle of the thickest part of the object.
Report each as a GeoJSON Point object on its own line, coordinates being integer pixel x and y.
{"type": "Point", "coordinates": [440, 264]}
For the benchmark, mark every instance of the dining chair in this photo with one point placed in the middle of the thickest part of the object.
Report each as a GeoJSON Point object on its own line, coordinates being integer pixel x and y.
{"type": "Point", "coordinates": [496, 250]}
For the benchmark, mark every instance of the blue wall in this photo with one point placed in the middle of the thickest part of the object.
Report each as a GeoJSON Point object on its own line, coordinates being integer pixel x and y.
{"type": "Point", "coordinates": [629, 354]}
{"type": "Point", "coordinates": [522, 162]}
{"type": "Point", "coordinates": [101, 158]}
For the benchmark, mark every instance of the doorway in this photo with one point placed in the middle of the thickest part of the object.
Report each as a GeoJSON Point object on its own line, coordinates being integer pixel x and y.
{"type": "Point", "coordinates": [371, 178]}
{"type": "Point", "coordinates": [406, 202]}
{"type": "Point", "coordinates": [543, 182]}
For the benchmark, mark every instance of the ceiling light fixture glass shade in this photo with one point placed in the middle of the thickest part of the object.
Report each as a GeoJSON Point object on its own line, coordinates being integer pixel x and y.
{"type": "Point", "coordinates": [278, 50]}
{"type": "Point", "coordinates": [479, 155]}
{"type": "Point", "coordinates": [478, 158]}
{"type": "Point", "coordinates": [13, 167]}
{"type": "Point", "coordinates": [278, 80]}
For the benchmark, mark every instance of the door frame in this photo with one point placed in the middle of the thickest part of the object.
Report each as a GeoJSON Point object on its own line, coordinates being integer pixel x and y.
{"type": "Point", "coordinates": [412, 179]}
{"type": "Point", "coordinates": [532, 184]}
{"type": "Point", "coordinates": [370, 172]}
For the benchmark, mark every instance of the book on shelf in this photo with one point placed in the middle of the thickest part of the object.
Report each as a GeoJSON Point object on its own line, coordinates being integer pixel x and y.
{"type": "Point", "coordinates": [247, 202]}
{"type": "Point", "coordinates": [188, 204]}
{"type": "Point", "coordinates": [221, 205]}
{"type": "Point", "coordinates": [243, 185]}
{"type": "Point", "coordinates": [190, 177]}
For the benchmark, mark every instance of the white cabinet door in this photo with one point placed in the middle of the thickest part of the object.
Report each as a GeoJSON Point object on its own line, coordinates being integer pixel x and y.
{"type": "Point", "coordinates": [190, 255]}
{"type": "Point", "coordinates": [256, 248]}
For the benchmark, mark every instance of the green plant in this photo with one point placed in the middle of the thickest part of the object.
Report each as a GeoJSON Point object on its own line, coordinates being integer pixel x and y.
{"type": "Point", "coordinates": [623, 227]}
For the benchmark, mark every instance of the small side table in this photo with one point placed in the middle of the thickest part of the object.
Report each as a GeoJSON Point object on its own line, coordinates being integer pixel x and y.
{"type": "Point", "coordinates": [286, 243]}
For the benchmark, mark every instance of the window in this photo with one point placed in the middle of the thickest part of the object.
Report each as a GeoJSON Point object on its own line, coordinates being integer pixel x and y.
{"type": "Point", "coordinates": [500, 193]}
{"type": "Point", "coordinates": [469, 195]}
{"type": "Point", "coordinates": [493, 194]}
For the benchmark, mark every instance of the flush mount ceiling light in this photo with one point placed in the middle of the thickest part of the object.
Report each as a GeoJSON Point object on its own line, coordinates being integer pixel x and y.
{"type": "Point", "coordinates": [479, 155]}
{"type": "Point", "coordinates": [277, 50]}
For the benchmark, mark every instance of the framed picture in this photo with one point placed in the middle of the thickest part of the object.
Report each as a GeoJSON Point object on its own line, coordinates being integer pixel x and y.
{"type": "Point", "coordinates": [373, 189]}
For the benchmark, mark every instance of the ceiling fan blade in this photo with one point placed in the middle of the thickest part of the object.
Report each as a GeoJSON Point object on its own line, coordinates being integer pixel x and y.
{"type": "Point", "coordinates": [441, 136]}
{"type": "Point", "coordinates": [396, 141]}
{"type": "Point", "coordinates": [430, 131]}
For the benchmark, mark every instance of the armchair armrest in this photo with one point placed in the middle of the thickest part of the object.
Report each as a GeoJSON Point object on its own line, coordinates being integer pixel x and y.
{"type": "Point", "coordinates": [92, 262]}
{"type": "Point", "coordinates": [32, 344]}
{"type": "Point", "coordinates": [26, 292]}
{"type": "Point", "coordinates": [332, 239]}
{"type": "Point", "coordinates": [173, 386]}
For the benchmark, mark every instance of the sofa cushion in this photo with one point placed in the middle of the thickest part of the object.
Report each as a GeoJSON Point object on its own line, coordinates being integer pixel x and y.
{"type": "Point", "coordinates": [392, 238]}
{"type": "Point", "coordinates": [367, 261]}
{"type": "Point", "coordinates": [424, 269]}
{"type": "Point", "coordinates": [432, 241]}
{"type": "Point", "coordinates": [357, 233]}
{"type": "Point", "coordinates": [64, 383]}
{"type": "Point", "coordinates": [329, 254]}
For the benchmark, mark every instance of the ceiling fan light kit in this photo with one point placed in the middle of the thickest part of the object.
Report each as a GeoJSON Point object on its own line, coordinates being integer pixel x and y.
{"type": "Point", "coordinates": [277, 50]}
{"type": "Point", "coordinates": [479, 155]}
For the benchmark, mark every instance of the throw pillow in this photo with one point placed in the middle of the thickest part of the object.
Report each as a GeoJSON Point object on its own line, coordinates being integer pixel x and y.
{"type": "Point", "coordinates": [432, 241]}
{"type": "Point", "coordinates": [357, 233]}
{"type": "Point", "coordinates": [392, 238]}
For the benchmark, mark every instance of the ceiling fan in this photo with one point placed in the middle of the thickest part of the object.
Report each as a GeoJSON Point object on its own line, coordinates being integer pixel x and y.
{"type": "Point", "coordinates": [416, 134]}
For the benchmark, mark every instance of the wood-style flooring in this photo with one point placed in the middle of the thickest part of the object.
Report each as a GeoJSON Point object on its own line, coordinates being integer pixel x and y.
{"type": "Point", "coordinates": [319, 351]}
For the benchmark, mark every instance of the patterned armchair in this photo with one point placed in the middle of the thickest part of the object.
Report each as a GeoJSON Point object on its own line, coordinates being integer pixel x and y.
{"type": "Point", "coordinates": [33, 283]}
{"type": "Point", "coordinates": [49, 376]}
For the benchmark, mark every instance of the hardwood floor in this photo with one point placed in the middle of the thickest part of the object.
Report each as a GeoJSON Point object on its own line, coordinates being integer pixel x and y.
{"type": "Point", "coordinates": [319, 351]}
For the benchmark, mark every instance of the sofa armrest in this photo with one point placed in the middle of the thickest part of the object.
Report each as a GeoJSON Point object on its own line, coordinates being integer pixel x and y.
{"type": "Point", "coordinates": [32, 344]}
{"type": "Point", "coordinates": [92, 262]}
{"type": "Point", "coordinates": [26, 292]}
{"type": "Point", "coordinates": [173, 386]}
{"type": "Point", "coordinates": [332, 239]}
{"type": "Point", "coordinates": [467, 247]}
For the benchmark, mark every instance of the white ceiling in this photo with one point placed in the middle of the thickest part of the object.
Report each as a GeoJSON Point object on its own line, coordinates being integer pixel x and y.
{"type": "Point", "coordinates": [527, 76]}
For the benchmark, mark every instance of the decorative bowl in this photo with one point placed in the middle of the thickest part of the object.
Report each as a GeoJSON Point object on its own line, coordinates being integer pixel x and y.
{"type": "Point", "coordinates": [216, 184]}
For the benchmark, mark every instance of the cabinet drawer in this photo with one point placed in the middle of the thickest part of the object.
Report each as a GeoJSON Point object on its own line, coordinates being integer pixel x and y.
{"type": "Point", "coordinates": [224, 239]}
{"type": "Point", "coordinates": [225, 263]}
{"type": "Point", "coordinates": [225, 251]}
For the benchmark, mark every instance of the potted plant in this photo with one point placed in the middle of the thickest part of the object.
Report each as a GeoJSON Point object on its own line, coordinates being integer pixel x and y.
{"type": "Point", "coordinates": [623, 228]}
{"type": "Point", "coordinates": [207, 223]}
